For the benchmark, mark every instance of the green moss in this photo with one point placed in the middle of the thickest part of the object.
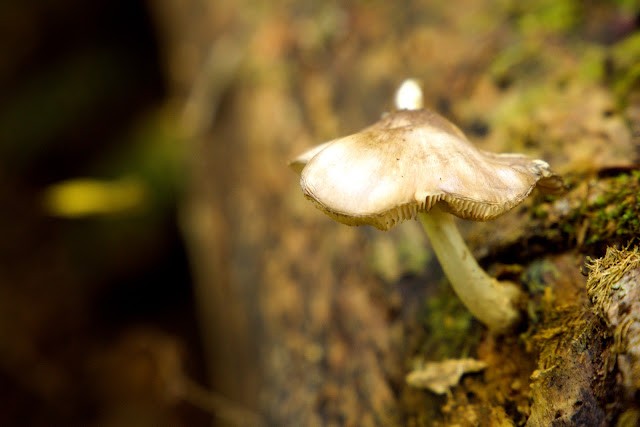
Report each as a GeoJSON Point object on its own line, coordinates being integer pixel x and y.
{"type": "Point", "coordinates": [539, 212]}
{"type": "Point", "coordinates": [517, 60]}
{"type": "Point", "coordinates": [610, 211]}
{"type": "Point", "coordinates": [605, 272]}
{"type": "Point", "coordinates": [603, 288]}
{"type": "Point", "coordinates": [538, 277]}
{"type": "Point", "coordinates": [627, 52]}
{"type": "Point", "coordinates": [450, 331]}
{"type": "Point", "coordinates": [538, 274]}
{"type": "Point", "coordinates": [629, 6]}
{"type": "Point", "coordinates": [592, 64]}
{"type": "Point", "coordinates": [625, 60]}
{"type": "Point", "coordinates": [550, 16]}
{"type": "Point", "coordinates": [568, 228]}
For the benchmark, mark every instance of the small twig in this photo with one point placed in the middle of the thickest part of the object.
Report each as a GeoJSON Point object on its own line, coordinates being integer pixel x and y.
{"type": "Point", "coordinates": [220, 406]}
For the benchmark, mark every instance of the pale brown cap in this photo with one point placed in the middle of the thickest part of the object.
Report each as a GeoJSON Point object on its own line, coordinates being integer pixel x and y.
{"type": "Point", "coordinates": [408, 162]}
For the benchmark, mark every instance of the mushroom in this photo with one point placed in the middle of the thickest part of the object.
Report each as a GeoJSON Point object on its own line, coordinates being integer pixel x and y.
{"type": "Point", "coordinates": [414, 163]}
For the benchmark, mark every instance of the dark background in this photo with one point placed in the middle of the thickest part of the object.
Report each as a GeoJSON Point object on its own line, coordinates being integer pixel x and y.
{"type": "Point", "coordinates": [91, 308]}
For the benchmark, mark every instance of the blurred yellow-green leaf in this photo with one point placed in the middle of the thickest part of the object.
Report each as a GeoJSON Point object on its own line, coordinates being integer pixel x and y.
{"type": "Point", "coordinates": [82, 197]}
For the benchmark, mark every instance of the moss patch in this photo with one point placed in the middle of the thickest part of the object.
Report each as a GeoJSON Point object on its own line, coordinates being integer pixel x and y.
{"type": "Point", "coordinates": [595, 213]}
{"type": "Point", "coordinates": [450, 330]}
{"type": "Point", "coordinates": [606, 272]}
{"type": "Point", "coordinates": [624, 61]}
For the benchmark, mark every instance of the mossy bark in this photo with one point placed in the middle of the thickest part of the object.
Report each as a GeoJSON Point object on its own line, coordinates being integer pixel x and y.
{"type": "Point", "coordinates": [334, 316]}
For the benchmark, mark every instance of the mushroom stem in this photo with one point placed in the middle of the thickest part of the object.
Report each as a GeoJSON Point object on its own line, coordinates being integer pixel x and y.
{"type": "Point", "coordinates": [489, 300]}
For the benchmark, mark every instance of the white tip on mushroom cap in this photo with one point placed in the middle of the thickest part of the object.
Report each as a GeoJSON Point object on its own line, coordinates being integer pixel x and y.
{"type": "Point", "coordinates": [407, 163]}
{"type": "Point", "coordinates": [409, 95]}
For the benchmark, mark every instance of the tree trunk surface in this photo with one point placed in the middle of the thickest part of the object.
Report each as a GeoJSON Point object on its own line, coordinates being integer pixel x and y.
{"type": "Point", "coordinates": [310, 322]}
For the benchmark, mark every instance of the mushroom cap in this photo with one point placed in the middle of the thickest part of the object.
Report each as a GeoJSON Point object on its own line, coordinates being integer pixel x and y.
{"type": "Point", "coordinates": [408, 162]}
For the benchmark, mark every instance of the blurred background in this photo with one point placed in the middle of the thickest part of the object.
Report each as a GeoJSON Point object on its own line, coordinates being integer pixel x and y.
{"type": "Point", "coordinates": [158, 263]}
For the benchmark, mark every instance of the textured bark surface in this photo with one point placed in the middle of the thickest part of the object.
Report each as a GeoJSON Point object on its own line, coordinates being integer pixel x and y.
{"type": "Point", "coordinates": [309, 322]}
{"type": "Point", "coordinates": [299, 320]}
